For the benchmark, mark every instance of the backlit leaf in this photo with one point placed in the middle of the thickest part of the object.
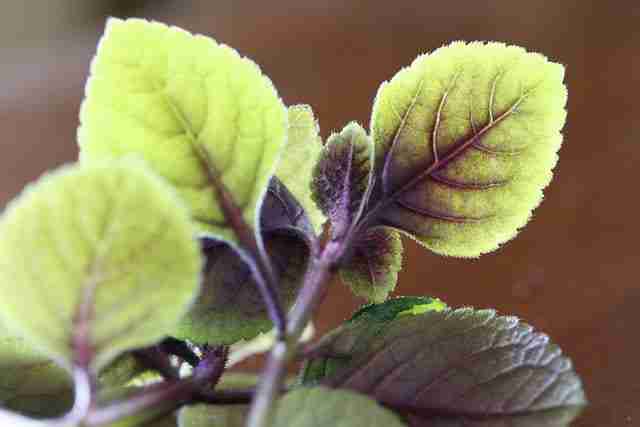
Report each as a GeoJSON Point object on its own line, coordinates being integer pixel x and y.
{"type": "Point", "coordinates": [105, 252]}
{"type": "Point", "coordinates": [300, 155]}
{"type": "Point", "coordinates": [465, 140]}
{"type": "Point", "coordinates": [201, 115]}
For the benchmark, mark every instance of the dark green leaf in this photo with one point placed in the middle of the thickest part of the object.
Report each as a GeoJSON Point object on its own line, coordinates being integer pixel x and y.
{"type": "Point", "coordinates": [31, 383]}
{"type": "Point", "coordinates": [462, 364]}
{"type": "Point", "coordinates": [339, 346]}
{"type": "Point", "coordinates": [89, 254]}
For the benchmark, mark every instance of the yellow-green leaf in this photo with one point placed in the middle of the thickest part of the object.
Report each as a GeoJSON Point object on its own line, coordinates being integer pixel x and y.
{"type": "Point", "coordinates": [303, 407]}
{"type": "Point", "coordinates": [466, 139]}
{"type": "Point", "coordinates": [102, 252]}
{"type": "Point", "coordinates": [201, 115]}
{"type": "Point", "coordinates": [321, 407]}
{"type": "Point", "coordinates": [299, 158]}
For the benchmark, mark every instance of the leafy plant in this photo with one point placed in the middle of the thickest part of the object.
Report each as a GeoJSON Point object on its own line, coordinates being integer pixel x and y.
{"type": "Point", "coordinates": [192, 225]}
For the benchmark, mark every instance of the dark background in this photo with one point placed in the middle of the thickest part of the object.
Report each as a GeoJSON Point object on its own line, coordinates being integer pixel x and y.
{"type": "Point", "coordinates": [572, 272]}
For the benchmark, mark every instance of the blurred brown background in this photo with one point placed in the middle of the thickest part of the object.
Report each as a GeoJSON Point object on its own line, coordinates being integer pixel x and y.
{"type": "Point", "coordinates": [572, 272]}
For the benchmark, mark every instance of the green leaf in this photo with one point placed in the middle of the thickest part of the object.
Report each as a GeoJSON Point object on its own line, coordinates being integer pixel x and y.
{"type": "Point", "coordinates": [463, 364]}
{"type": "Point", "coordinates": [338, 347]}
{"type": "Point", "coordinates": [103, 254]}
{"type": "Point", "coordinates": [372, 271]}
{"type": "Point", "coordinates": [466, 139]}
{"type": "Point", "coordinates": [213, 416]}
{"type": "Point", "coordinates": [31, 383]}
{"type": "Point", "coordinates": [230, 307]}
{"type": "Point", "coordinates": [343, 177]}
{"type": "Point", "coordinates": [201, 115]}
{"type": "Point", "coordinates": [304, 407]}
{"type": "Point", "coordinates": [320, 407]}
{"type": "Point", "coordinates": [122, 371]}
{"type": "Point", "coordinates": [301, 154]}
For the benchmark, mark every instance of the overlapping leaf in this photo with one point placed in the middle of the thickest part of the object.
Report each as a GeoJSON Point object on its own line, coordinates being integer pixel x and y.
{"type": "Point", "coordinates": [203, 117]}
{"type": "Point", "coordinates": [465, 141]}
{"type": "Point", "coordinates": [300, 156]}
{"type": "Point", "coordinates": [451, 366]}
{"type": "Point", "coordinates": [340, 346]}
{"type": "Point", "coordinates": [342, 177]}
{"type": "Point", "coordinates": [229, 307]}
{"type": "Point", "coordinates": [31, 383]}
{"type": "Point", "coordinates": [91, 253]}
{"type": "Point", "coordinates": [372, 270]}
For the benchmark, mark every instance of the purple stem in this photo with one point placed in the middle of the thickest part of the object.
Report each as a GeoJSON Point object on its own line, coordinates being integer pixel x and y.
{"type": "Point", "coordinates": [312, 292]}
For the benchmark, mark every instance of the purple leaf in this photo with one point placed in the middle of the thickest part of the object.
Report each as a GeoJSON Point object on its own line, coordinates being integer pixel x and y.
{"type": "Point", "coordinates": [463, 365]}
{"type": "Point", "coordinates": [372, 270]}
{"type": "Point", "coordinates": [343, 178]}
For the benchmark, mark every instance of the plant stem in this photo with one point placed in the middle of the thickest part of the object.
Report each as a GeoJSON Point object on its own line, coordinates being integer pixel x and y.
{"type": "Point", "coordinates": [313, 291]}
{"type": "Point", "coordinates": [166, 396]}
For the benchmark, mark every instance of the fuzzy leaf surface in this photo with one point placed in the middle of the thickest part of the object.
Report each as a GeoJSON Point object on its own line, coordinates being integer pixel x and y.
{"type": "Point", "coordinates": [31, 383]}
{"type": "Point", "coordinates": [202, 116]}
{"type": "Point", "coordinates": [299, 158]}
{"type": "Point", "coordinates": [463, 364]}
{"type": "Point", "coordinates": [343, 177]}
{"type": "Point", "coordinates": [465, 139]}
{"type": "Point", "coordinates": [372, 271]}
{"type": "Point", "coordinates": [95, 251]}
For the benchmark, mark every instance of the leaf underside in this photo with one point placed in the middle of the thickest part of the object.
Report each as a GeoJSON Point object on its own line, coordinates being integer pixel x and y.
{"type": "Point", "coordinates": [372, 271]}
{"type": "Point", "coordinates": [337, 348]}
{"type": "Point", "coordinates": [229, 307]}
{"type": "Point", "coordinates": [95, 250]}
{"type": "Point", "coordinates": [465, 140]}
{"type": "Point", "coordinates": [199, 114]}
{"type": "Point", "coordinates": [31, 383]}
{"type": "Point", "coordinates": [463, 364]}
{"type": "Point", "coordinates": [342, 177]}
